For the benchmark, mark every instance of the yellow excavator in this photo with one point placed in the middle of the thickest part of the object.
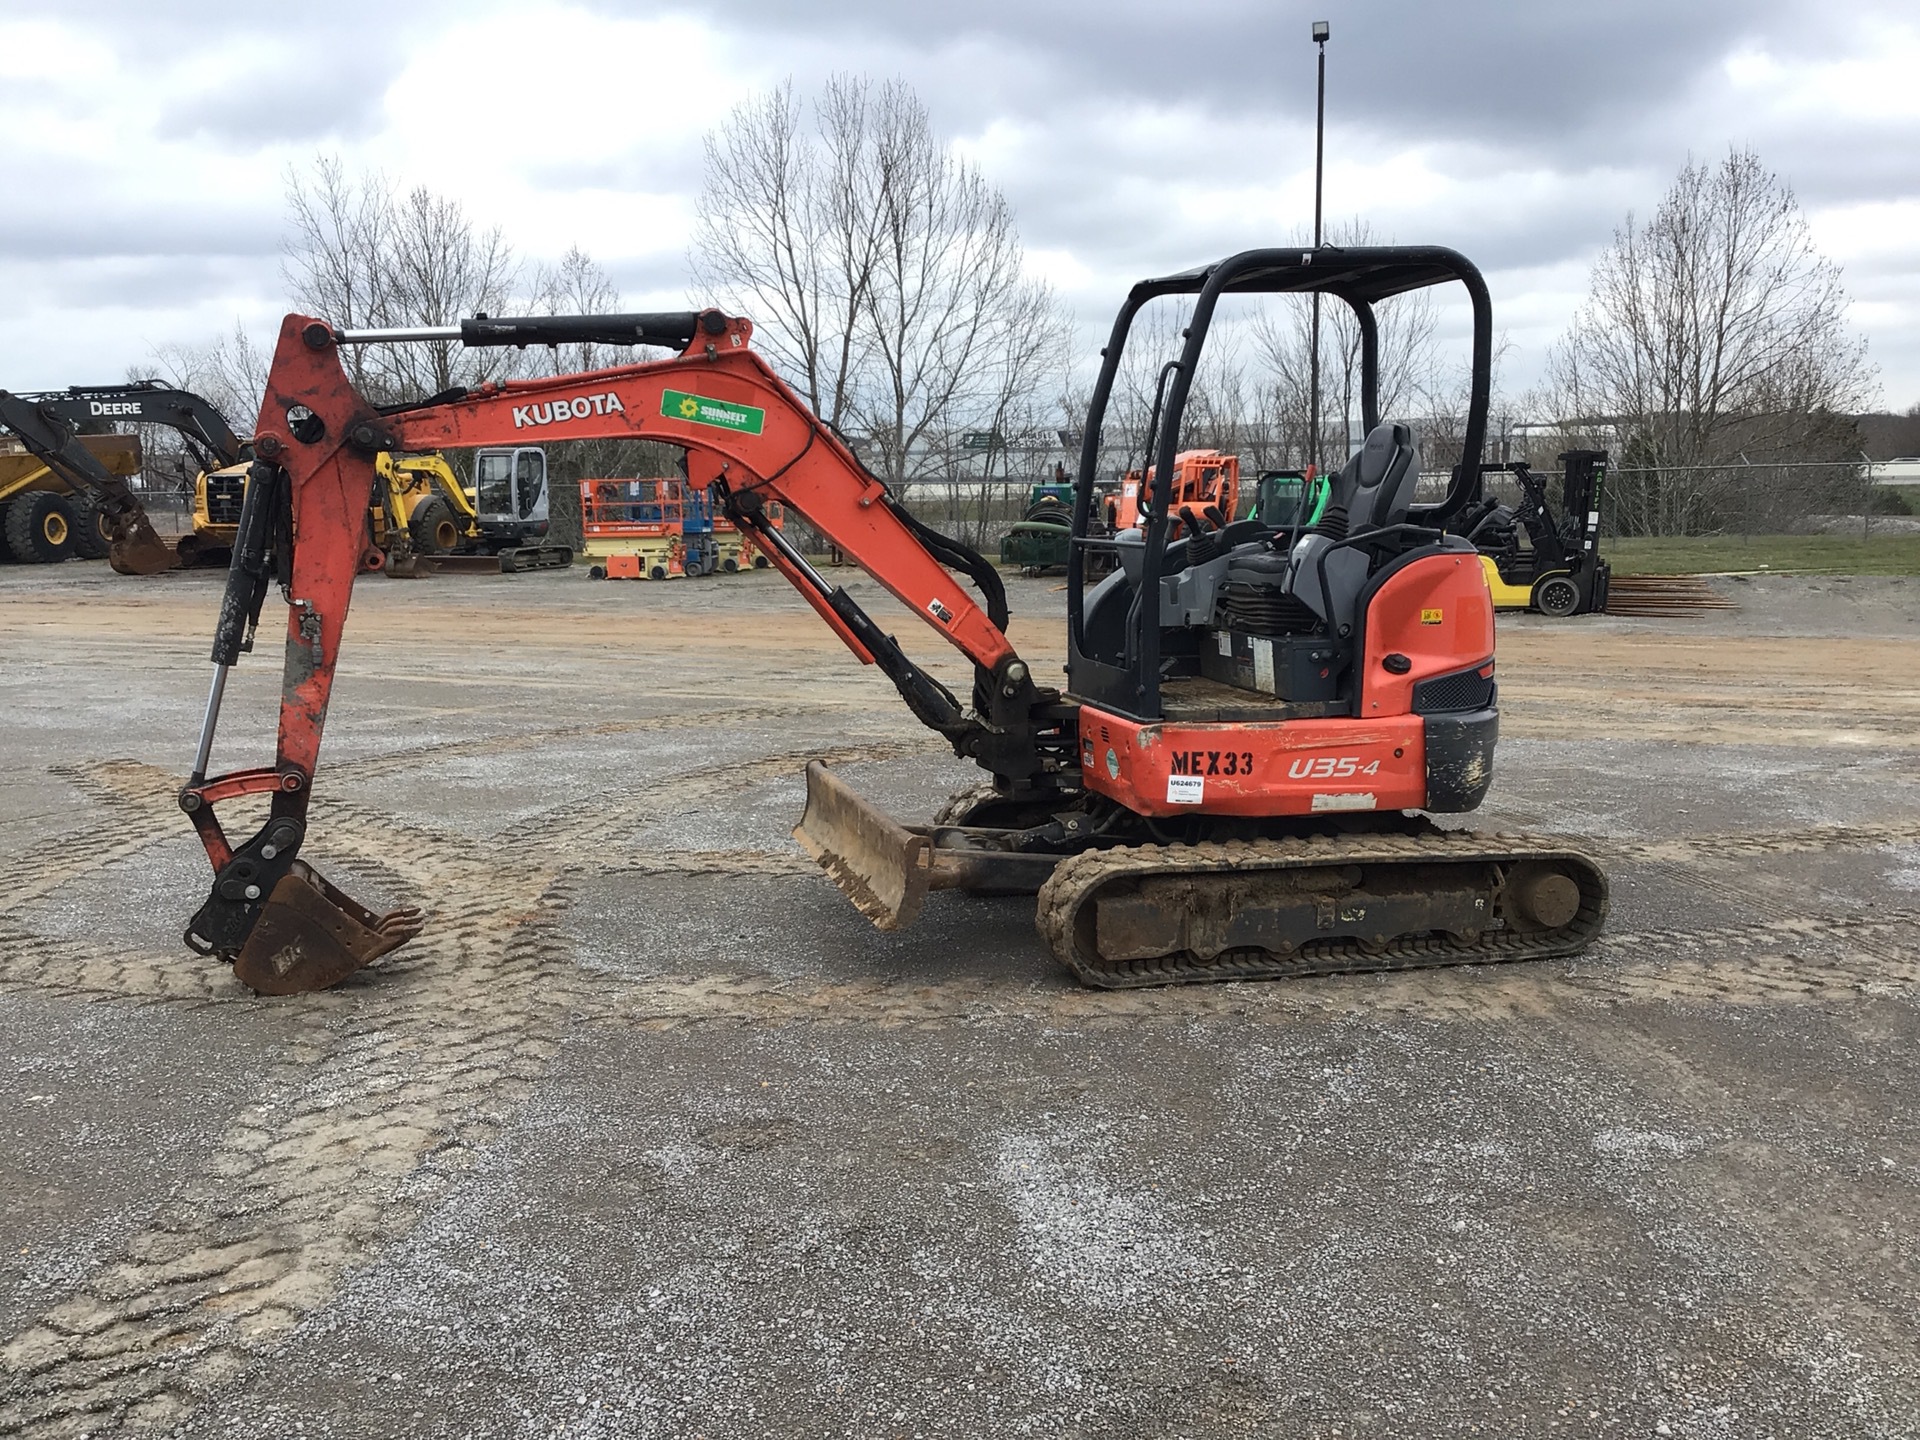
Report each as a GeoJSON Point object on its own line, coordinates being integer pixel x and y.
{"type": "Point", "coordinates": [425, 520]}
{"type": "Point", "coordinates": [65, 494]}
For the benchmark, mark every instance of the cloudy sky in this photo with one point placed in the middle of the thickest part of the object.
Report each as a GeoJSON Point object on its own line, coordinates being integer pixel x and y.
{"type": "Point", "coordinates": [145, 146]}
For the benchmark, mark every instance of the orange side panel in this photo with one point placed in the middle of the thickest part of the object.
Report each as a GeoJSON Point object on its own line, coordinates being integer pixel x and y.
{"type": "Point", "coordinates": [1436, 612]}
{"type": "Point", "coordinates": [1439, 614]}
{"type": "Point", "coordinates": [1293, 767]}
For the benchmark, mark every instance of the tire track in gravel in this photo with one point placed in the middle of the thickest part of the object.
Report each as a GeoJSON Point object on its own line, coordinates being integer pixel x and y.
{"type": "Point", "coordinates": [1789, 1252]}
{"type": "Point", "coordinates": [1753, 845]}
{"type": "Point", "coordinates": [517, 743]}
{"type": "Point", "coordinates": [115, 832]}
{"type": "Point", "coordinates": [1760, 964]}
{"type": "Point", "coordinates": [404, 1075]}
{"type": "Point", "coordinates": [397, 1079]}
{"type": "Point", "coordinates": [616, 815]}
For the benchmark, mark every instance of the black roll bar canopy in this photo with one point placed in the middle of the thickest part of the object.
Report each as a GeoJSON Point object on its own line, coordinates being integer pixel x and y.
{"type": "Point", "coordinates": [1360, 276]}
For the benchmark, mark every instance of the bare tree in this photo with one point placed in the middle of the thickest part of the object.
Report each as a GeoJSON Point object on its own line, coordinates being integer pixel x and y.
{"type": "Point", "coordinates": [956, 327]}
{"type": "Point", "coordinates": [1713, 333]}
{"type": "Point", "coordinates": [1411, 376]}
{"type": "Point", "coordinates": [440, 266]}
{"type": "Point", "coordinates": [334, 257]}
{"type": "Point", "coordinates": [886, 273]}
{"type": "Point", "coordinates": [229, 372]}
{"type": "Point", "coordinates": [1154, 340]}
{"type": "Point", "coordinates": [363, 257]}
{"type": "Point", "coordinates": [577, 285]}
{"type": "Point", "coordinates": [788, 233]}
{"type": "Point", "coordinates": [991, 451]}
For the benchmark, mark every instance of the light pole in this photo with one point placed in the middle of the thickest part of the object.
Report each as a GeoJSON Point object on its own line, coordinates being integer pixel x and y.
{"type": "Point", "coordinates": [1321, 30]}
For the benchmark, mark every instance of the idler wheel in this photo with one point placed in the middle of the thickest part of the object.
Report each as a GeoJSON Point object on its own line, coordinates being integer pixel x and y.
{"type": "Point", "coordinates": [1542, 898]}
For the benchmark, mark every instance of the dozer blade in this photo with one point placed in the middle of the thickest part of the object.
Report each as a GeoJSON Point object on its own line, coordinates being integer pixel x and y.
{"type": "Point", "coordinates": [310, 936]}
{"type": "Point", "coordinates": [884, 868]}
{"type": "Point", "coordinates": [136, 550]}
{"type": "Point", "coordinates": [414, 567]}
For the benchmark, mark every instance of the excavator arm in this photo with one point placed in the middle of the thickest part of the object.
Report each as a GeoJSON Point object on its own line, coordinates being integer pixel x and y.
{"type": "Point", "coordinates": [304, 524]}
{"type": "Point", "coordinates": [150, 402]}
{"type": "Point", "coordinates": [45, 424]}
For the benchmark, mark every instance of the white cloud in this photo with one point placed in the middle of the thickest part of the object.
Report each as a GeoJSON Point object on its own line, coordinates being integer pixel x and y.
{"type": "Point", "coordinates": [1127, 150]}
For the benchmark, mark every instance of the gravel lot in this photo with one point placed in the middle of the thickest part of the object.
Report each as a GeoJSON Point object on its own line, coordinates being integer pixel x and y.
{"type": "Point", "coordinates": [651, 1135]}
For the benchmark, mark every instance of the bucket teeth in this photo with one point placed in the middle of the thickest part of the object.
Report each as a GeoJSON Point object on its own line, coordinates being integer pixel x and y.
{"type": "Point", "coordinates": [311, 935]}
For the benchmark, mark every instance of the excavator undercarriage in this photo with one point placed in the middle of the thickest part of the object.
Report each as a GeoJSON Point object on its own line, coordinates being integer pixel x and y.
{"type": "Point", "coordinates": [1233, 784]}
{"type": "Point", "coordinates": [1121, 915]}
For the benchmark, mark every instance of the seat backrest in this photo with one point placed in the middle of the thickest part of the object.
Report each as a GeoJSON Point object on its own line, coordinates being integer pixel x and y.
{"type": "Point", "coordinates": [1375, 489]}
{"type": "Point", "coordinates": [1376, 486]}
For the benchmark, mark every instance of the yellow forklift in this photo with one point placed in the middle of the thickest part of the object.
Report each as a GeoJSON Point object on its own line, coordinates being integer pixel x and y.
{"type": "Point", "coordinates": [1535, 559]}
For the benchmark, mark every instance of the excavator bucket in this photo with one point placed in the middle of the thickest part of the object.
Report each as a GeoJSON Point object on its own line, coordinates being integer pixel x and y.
{"type": "Point", "coordinates": [884, 868]}
{"type": "Point", "coordinates": [136, 550]}
{"type": "Point", "coordinates": [311, 936]}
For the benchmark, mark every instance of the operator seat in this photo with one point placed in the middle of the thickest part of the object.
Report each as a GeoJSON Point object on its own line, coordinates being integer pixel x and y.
{"type": "Point", "coordinates": [1372, 491]}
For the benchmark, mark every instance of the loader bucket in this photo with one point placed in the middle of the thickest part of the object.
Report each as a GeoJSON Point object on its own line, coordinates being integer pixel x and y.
{"type": "Point", "coordinates": [136, 550]}
{"type": "Point", "coordinates": [310, 936]}
{"type": "Point", "coordinates": [413, 567]}
{"type": "Point", "coordinates": [884, 868]}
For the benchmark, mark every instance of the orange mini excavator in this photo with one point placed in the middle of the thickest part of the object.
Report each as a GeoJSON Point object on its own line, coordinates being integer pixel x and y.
{"type": "Point", "coordinates": [1229, 784]}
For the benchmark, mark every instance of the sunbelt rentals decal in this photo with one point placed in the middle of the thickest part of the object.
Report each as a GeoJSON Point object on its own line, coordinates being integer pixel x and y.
{"type": "Point", "coordinates": [705, 410]}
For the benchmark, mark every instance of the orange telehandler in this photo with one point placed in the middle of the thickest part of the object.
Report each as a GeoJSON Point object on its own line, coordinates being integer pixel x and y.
{"type": "Point", "coordinates": [1206, 486]}
{"type": "Point", "coordinates": [1226, 787]}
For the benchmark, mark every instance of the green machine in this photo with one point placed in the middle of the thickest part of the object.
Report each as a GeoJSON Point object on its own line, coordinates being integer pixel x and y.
{"type": "Point", "coordinates": [1038, 540]}
{"type": "Point", "coordinates": [1284, 499]}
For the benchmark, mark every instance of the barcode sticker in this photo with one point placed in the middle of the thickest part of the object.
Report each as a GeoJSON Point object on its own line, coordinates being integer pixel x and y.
{"type": "Point", "coordinates": [1186, 790]}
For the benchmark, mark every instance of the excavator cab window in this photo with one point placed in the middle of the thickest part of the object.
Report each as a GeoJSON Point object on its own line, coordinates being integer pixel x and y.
{"type": "Point", "coordinates": [493, 482]}
{"type": "Point", "coordinates": [530, 484]}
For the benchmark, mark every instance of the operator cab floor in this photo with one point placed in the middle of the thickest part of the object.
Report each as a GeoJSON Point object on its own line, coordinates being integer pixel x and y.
{"type": "Point", "coordinates": [1196, 700]}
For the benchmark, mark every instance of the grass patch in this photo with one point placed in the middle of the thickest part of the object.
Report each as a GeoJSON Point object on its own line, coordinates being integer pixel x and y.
{"type": "Point", "coordinates": [1805, 554]}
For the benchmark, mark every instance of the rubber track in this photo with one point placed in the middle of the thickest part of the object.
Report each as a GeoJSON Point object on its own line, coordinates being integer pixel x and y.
{"type": "Point", "coordinates": [1077, 881]}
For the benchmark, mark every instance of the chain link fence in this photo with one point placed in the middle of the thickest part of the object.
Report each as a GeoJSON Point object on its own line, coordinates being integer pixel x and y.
{"type": "Point", "coordinates": [1780, 497]}
{"type": "Point", "coordinates": [976, 494]}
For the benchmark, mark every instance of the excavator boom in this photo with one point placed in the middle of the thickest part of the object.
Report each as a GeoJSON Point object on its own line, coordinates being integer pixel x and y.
{"type": "Point", "coordinates": [304, 523]}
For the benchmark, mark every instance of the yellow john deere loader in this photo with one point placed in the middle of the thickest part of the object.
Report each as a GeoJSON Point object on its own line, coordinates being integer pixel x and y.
{"type": "Point", "coordinates": [43, 517]}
